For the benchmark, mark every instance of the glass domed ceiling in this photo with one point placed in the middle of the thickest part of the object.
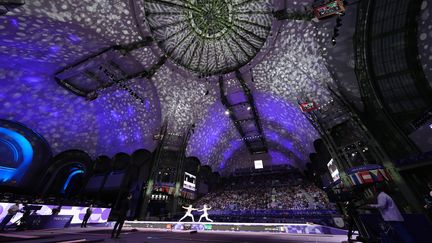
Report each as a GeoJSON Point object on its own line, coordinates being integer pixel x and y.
{"type": "Point", "coordinates": [209, 36]}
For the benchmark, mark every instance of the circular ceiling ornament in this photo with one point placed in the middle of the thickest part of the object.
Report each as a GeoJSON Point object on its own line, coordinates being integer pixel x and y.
{"type": "Point", "coordinates": [210, 19]}
{"type": "Point", "coordinates": [209, 36]}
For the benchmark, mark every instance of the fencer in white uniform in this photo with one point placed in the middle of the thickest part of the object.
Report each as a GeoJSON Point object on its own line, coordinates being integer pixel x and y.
{"type": "Point", "coordinates": [205, 213]}
{"type": "Point", "coordinates": [189, 210]}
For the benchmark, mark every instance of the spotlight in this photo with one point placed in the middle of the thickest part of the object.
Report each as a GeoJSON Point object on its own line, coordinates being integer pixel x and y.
{"type": "Point", "coordinates": [248, 108]}
{"type": "Point", "coordinates": [227, 112]}
{"type": "Point", "coordinates": [333, 41]}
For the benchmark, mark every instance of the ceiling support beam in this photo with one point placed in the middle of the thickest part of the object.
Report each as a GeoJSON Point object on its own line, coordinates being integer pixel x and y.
{"type": "Point", "coordinates": [256, 143]}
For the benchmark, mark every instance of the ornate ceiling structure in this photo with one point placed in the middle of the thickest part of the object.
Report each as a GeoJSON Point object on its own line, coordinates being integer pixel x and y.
{"type": "Point", "coordinates": [210, 36]}
{"type": "Point", "coordinates": [195, 42]}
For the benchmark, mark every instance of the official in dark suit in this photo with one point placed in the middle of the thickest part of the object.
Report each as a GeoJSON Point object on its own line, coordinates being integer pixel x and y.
{"type": "Point", "coordinates": [87, 215]}
{"type": "Point", "coordinates": [122, 213]}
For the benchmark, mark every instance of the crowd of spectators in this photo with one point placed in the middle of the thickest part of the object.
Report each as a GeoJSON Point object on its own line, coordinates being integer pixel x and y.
{"type": "Point", "coordinates": [267, 192]}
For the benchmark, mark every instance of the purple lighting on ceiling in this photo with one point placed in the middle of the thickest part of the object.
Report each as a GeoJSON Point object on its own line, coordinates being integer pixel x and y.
{"type": "Point", "coordinates": [227, 154]}
{"type": "Point", "coordinates": [74, 38]}
{"type": "Point", "coordinates": [14, 22]}
{"type": "Point", "coordinates": [209, 134]}
{"type": "Point", "coordinates": [32, 79]}
{"type": "Point", "coordinates": [285, 143]}
{"type": "Point", "coordinates": [286, 129]}
{"type": "Point", "coordinates": [147, 104]}
{"type": "Point", "coordinates": [278, 158]}
{"type": "Point", "coordinates": [55, 49]}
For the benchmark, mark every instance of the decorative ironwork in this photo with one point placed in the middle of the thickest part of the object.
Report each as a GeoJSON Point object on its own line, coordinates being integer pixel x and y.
{"type": "Point", "coordinates": [209, 36]}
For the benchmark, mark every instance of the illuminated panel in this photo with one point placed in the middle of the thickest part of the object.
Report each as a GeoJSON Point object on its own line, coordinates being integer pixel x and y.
{"type": "Point", "coordinates": [99, 215]}
{"type": "Point", "coordinates": [189, 181]}
{"type": "Point", "coordinates": [294, 228]}
{"type": "Point", "coordinates": [331, 165]}
{"type": "Point", "coordinates": [258, 164]}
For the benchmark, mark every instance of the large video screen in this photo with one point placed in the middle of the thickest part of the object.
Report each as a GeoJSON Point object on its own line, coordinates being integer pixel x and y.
{"type": "Point", "coordinates": [189, 181]}
{"type": "Point", "coordinates": [99, 215]}
{"type": "Point", "coordinates": [334, 172]}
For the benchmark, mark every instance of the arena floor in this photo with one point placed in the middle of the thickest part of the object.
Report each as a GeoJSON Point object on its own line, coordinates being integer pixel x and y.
{"type": "Point", "coordinates": [102, 234]}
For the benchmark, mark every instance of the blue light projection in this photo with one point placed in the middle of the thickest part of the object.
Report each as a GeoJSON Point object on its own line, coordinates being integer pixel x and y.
{"type": "Point", "coordinates": [278, 158]}
{"type": "Point", "coordinates": [22, 152]}
{"type": "Point", "coordinates": [44, 36]}
{"type": "Point", "coordinates": [71, 175]}
{"type": "Point", "coordinates": [289, 134]}
{"type": "Point", "coordinates": [288, 145]}
{"type": "Point", "coordinates": [31, 96]}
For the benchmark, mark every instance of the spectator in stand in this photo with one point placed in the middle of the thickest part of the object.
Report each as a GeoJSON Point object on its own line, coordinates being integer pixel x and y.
{"type": "Point", "coordinates": [265, 196]}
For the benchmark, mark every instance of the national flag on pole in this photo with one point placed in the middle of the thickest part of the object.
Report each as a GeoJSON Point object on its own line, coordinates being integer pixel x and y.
{"type": "Point", "coordinates": [365, 177]}
{"type": "Point", "coordinates": [355, 180]}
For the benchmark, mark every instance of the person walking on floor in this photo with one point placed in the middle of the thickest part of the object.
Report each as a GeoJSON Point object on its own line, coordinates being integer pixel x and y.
{"type": "Point", "coordinates": [123, 211]}
{"type": "Point", "coordinates": [87, 215]}
{"type": "Point", "coordinates": [12, 211]}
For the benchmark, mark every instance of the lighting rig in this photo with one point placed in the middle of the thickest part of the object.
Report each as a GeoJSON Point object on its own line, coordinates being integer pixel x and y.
{"type": "Point", "coordinates": [111, 67]}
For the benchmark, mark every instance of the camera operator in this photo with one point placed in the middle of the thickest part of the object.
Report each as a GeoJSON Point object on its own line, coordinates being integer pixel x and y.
{"type": "Point", "coordinates": [391, 216]}
{"type": "Point", "coordinates": [352, 201]}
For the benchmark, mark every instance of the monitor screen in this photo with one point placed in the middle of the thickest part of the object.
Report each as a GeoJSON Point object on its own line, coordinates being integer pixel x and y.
{"type": "Point", "coordinates": [189, 181]}
{"type": "Point", "coordinates": [334, 172]}
{"type": "Point", "coordinates": [258, 164]}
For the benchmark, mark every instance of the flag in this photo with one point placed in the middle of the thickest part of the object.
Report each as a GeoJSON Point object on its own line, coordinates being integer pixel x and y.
{"type": "Point", "coordinates": [365, 177]}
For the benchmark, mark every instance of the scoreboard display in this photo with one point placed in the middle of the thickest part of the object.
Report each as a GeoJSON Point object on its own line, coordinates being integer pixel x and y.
{"type": "Point", "coordinates": [329, 9]}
